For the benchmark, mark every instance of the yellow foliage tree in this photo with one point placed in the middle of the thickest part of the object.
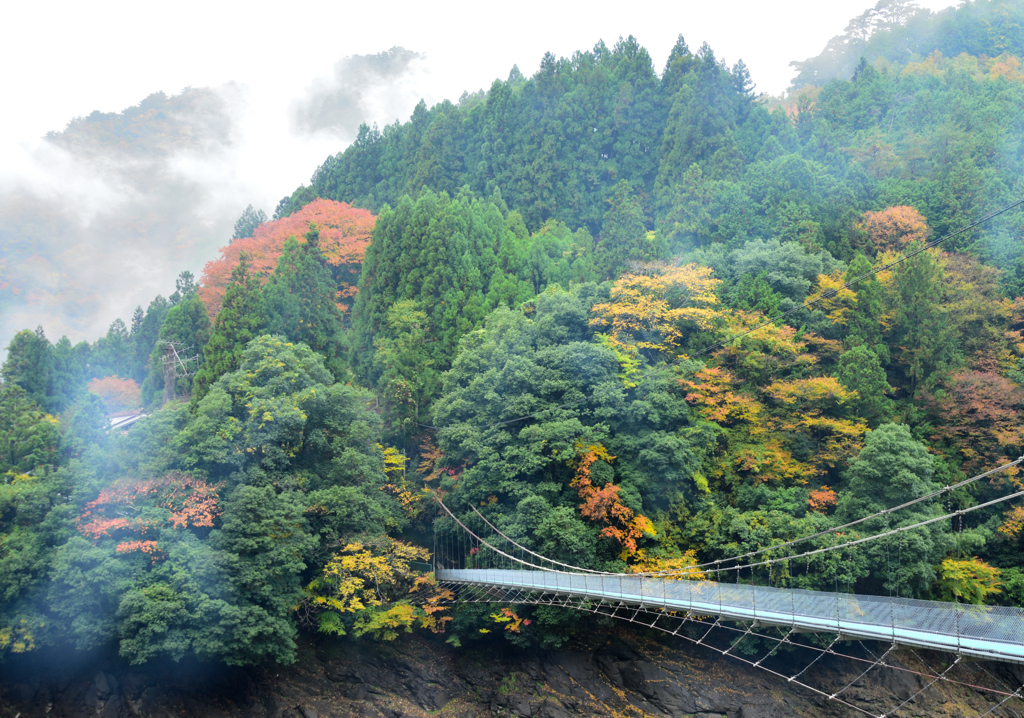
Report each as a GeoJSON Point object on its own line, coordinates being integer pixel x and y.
{"type": "Point", "coordinates": [674, 568]}
{"type": "Point", "coordinates": [373, 581]}
{"type": "Point", "coordinates": [649, 307]}
{"type": "Point", "coordinates": [970, 580]}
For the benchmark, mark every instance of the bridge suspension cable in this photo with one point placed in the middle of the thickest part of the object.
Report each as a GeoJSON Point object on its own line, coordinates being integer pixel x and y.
{"type": "Point", "coordinates": [878, 514]}
{"type": "Point", "coordinates": [676, 623]}
{"type": "Point", "coordinates": [884, 534]}
{"type": "Point", "coordinates": [716, 566]}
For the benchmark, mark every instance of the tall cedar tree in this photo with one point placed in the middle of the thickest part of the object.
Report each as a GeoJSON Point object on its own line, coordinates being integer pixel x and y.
{"type": "Point", "coordinates": [145, 338]}
{"type": "Point", "coordinates": [248, 223]}
{"type": "Point", "coordinates": [438, 252]}
{"type": "Point", "coordinates": [300, 300]}
{"type": "Point", "coordinates": [623, 234]}
{"type": "Point", "coordinates": [241, 320]}
{"type": "Point", "coordinates": [29, 364]}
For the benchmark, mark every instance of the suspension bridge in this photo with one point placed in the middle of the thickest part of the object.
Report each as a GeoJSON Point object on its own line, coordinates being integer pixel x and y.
{"type": "Point", "coordinates": [482, 564]}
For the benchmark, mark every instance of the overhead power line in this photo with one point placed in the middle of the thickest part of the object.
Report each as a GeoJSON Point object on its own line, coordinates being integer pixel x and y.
{"type": "Point", "coordinates": [888, 265]}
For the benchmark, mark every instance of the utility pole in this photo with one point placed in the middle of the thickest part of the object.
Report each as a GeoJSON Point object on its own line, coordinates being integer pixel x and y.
{"type": "Point", "coordinates": [177, 365]}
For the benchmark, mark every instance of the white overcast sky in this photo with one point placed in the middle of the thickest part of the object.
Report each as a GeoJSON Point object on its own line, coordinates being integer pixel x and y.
{"type": "Point", "coordinates": [65, 59]}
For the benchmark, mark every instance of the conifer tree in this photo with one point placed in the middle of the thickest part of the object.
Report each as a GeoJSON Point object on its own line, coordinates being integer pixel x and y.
{"type": "Point", "coordinates": [300, 300]}
{"type": "Point", "coordinates": [248, 222]}
{"type": "Point", "coordinates": [865, 324]}
{"type": "Point", "coordinates": [240, 320]}
{"type": "Point", "coordinates": [69, 371]}
{"type": "Point", "coordinates": [29, 364]}
{"type": "Point", "coordinates": [440, 253]}
{"type": "Point", "coordinates": [145, 339]}
{"type": "Point", "coordinates": [624, 237]}
{"type": "Point", "coordinates": [924, 338]}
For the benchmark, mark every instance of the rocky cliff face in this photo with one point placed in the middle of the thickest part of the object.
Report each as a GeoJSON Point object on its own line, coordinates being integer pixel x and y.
{"type": "Point", "coordinates": [617, 673]}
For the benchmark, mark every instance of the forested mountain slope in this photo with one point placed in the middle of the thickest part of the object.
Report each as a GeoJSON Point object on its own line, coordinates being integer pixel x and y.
{"type": "Point", "coordinates": [567, 314]}
{"type": "Point", "coordinates": [899, 31]}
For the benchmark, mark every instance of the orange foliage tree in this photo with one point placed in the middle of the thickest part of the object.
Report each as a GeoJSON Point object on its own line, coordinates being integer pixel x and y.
{"type": "Point", "coordinates": [603, 504]}
{"type": "Point", "coordinates": [894, 227]}
{"type": "Point", "coordinates": [822, 500]}
{"type": "Point", "coordinates": [117, 394]}
{"type": "Point", "coordinates": [344, 236]}
{"type": "Point", "coordinates": [115, 513]}
{"type": "Point", "coordinates": [978, 416]}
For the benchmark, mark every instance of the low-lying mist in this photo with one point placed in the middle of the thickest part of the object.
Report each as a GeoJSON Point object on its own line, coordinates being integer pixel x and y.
{"type": "Point", "coordinates": [103, 215]}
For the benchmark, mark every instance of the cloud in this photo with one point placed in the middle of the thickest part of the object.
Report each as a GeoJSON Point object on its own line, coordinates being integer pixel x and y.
{"type": "Point", "coordinates": [102, 216]}
{"type": "Point", "coordinates": [362, 86]}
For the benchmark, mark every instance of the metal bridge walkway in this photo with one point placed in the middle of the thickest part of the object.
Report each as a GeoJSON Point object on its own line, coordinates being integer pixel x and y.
{"type": "Point", "coordinates": [988, 632]}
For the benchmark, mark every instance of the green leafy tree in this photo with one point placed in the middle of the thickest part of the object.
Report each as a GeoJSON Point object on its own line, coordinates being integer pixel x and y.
{"type": "Point", "coordinates": [892, 469]}
{"type": "Point", "coordinates": [28, 436]}
{"type": "Point", "coordinates": [262, 539]}
{"type": "Point", "coordinates": [860, 370]}
{"type": "Point", "coordinates": [538, 426]}
{"type": "Point", "coordinates": [282, 414]}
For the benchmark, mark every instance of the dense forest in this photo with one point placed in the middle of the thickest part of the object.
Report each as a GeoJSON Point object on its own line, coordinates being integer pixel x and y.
{"type": "Point", "coordinates": [539, 301]}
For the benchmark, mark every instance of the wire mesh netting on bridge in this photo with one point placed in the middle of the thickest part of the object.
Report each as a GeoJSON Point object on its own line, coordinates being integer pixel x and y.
{"type": "Point", "coordinates": [746, 622]}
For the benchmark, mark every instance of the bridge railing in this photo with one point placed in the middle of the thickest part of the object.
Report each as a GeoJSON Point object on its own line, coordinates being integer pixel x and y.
{"type": "Point", "coordinates": [985, 631]}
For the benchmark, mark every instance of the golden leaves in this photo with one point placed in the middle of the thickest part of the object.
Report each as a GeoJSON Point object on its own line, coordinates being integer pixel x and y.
{"type": "Point", "coordinates": [648, 308]}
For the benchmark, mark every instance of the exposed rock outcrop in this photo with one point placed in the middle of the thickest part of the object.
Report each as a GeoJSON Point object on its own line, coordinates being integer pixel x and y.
{"type": "Point", "coordinates": [611, 674]}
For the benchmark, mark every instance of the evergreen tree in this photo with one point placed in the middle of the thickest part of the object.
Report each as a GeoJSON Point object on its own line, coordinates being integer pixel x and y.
{"type": "Point", "coordinates": [248, 222]}
{"type": "Point", "coordinates": [145, 339]}
{"type": "Point", "coordinates": [112, 353]}
{"type": "Point", "coordinates": [923, 336]}
{"type": "Point", "coordinates": [865, 324]}
{"type": "Point", "coordinates": [241, 319]}
{"type": "Point", "coordinates": [70, 369]}
{"type": "Point", "coordinates": [184, 287]}
{"type": "Point", "coordinates": [300, 300]}
{"type": "Point", "coordinates": [624, 237]}
{"type": "Point", "coordinates": [439, 253]}
{"type": "Point", "coordinates": [859, 370]}
{"type": "Point", "coordinates": [29, 364]}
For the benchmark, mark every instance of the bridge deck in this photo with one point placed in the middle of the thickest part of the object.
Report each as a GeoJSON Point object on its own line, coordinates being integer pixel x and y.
{"type": "Point", "coordinates": [992, 632]}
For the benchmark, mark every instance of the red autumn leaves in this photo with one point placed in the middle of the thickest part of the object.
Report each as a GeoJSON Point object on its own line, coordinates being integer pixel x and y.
{"type": "Point", "coordinates": [344, 236]}
{"type": "Point", "coordinates": [136, 507]}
